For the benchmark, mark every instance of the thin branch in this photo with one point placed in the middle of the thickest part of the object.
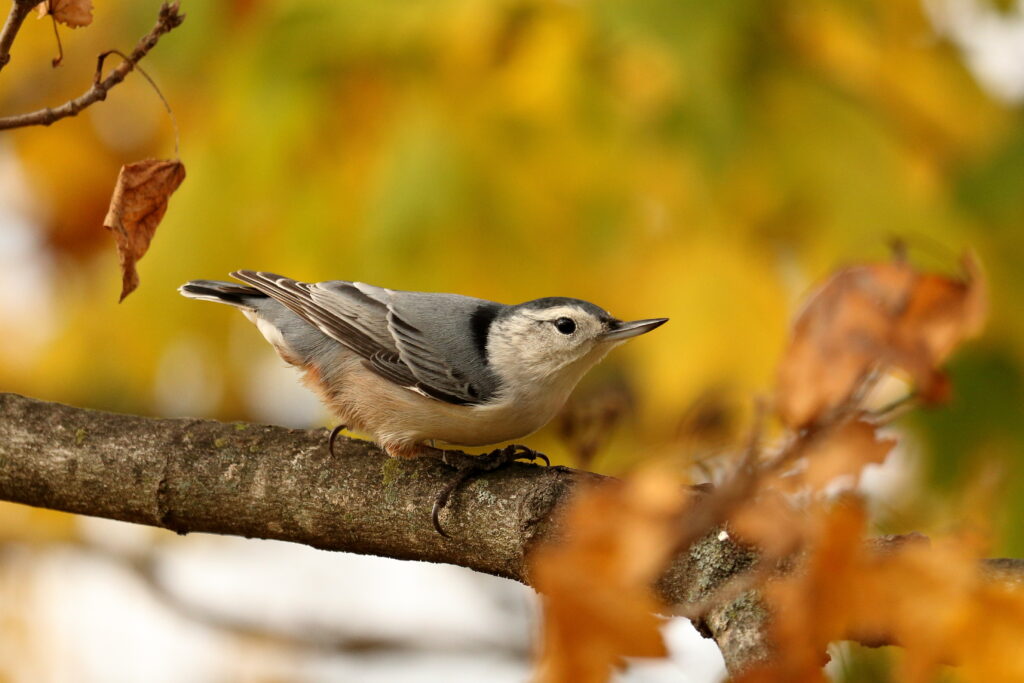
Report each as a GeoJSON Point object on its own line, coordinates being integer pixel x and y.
{"type": "Point", "coordinates": [168, 20]}
{"type": "Point", "coordinates": [19, 10]}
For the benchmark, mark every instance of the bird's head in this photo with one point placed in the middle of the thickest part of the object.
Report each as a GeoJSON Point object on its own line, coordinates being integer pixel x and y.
{"type": "Point", "coordinates": [555, 340]}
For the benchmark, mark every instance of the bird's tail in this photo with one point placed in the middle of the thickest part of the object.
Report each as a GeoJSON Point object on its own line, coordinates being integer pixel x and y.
{"type": "Point", "coordinates": [230, 293]}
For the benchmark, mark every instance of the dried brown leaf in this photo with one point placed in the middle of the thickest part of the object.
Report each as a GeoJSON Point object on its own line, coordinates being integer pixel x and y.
{"type": "Point", "coordinates": [811, 607]}
{"type": "Point", "coordinates": [770, 522]}
{"type": "Point", "coordinates": [136, 208]}
{"type": "Point", "coordinates": [933, 599]}
{"type": "Point", "coordinates": [872, 317]}
{"type": "Point", "coordinates": [597, 585]}
{"type": "Point", "coordinates": [845, 450]}
{"type": "Point", "coordinates": [71, 13]}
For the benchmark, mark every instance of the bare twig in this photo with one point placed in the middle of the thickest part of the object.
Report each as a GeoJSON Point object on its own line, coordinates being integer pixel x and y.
{"type": "Point", "coordinates": [168, 20]}
{"type": "Point", "coordinates": [19, 10]}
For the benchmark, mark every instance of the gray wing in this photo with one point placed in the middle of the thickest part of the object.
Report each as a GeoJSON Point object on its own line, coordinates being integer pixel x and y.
{"type": "Point", "coordinates": [426, 342]}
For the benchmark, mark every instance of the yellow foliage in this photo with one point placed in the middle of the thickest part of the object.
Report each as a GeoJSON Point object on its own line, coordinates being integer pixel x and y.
{"type": "Point", "coordinates": [701, 161]}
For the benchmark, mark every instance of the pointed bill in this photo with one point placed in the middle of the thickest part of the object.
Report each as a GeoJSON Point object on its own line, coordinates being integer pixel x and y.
{"type": "Point", "coordinates": [621, 331]}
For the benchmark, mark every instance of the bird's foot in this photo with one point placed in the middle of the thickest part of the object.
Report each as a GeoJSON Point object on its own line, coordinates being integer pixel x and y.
{"type": "Point", "coordinates": [334, 435]}
{"type": "Point", "coordinates": [472, 466]}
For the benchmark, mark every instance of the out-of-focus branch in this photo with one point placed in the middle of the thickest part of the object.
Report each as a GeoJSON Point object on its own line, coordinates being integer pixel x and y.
{"type": "Point", "coordinates": [168, 19]}
{"type": "Point", "coordinates": [19, 10]}
{"type": "Point", "coordinates": [271, 482]}
{"type": "Point", "coordinates": [314, 637]}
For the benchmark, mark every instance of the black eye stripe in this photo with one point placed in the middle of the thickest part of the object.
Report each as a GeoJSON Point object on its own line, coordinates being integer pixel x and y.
{"type": "Point", "coordinates": [565, 325]}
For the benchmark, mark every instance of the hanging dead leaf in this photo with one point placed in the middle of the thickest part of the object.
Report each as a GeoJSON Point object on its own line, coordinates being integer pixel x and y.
{"type": "Point", "coordinates": [71, 13]}
{"type": "Point", "coordinates": [598, 601]}
{"type": "Point", "coordinates": [873, 317]}
{"type": "Point", "coordinates": [136, 208]}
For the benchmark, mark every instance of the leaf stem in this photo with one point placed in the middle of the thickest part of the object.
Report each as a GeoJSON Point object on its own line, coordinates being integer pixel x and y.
{"type": "Point", "coordinates": [60, 48]}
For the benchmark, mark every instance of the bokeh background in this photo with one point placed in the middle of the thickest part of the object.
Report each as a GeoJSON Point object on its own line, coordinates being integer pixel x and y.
{"type": "Point", "coordinates": [705, 161]}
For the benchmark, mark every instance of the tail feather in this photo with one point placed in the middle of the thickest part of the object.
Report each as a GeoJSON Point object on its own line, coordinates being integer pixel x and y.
{"type": "Point", "coordinates": [296, 341]}
{"type": "Point", "coordinates": [222, 292]}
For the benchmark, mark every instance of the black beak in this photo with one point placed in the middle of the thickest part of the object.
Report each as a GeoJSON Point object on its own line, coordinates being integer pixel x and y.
{"type": "Point", "coordinates": [621, 331]}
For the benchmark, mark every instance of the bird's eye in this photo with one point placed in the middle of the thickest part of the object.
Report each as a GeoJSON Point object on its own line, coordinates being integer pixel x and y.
{"type": "Point", "coordinates": [565, 325]}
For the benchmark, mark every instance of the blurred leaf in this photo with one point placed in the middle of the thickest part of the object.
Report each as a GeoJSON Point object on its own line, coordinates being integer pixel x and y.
{"type": "Point", "coordinates": [869, 319]}
{"type": "Point", "coordinates": [771, 521]}
{"type": "Point", "coordinates": [597, 584]}
{"type": "Point", "coordinates": [931, 598]}
{"type": "Point", "coordinates": [138, 204]}
{"type": "Point", "coordinates": [845, 451]}
{"type": "Point", "coordinates": [71, 13]}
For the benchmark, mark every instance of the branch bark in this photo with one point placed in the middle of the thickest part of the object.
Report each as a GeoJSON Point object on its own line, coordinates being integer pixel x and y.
{"type": "Point", "coordinates": [263, 481]}
{"type": "Point", "coordinates": [19, 10]}
{"type": "Point", "coordinates": [168, 19]}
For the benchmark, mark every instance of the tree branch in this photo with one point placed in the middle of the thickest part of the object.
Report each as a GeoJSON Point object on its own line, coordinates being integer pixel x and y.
{"type": "Point", "coordinates": [19, 10]}
{"type": "Point", "coordinates": [271, 482]}
{"type": "Point", "coordinates": [168, 19]}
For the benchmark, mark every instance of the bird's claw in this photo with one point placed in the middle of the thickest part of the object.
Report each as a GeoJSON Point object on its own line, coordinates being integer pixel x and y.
{"type": "Point", "coordinates": [442, 500]}
{"type": "Point", "coordinates": [334, 435]}
{"type": "Point", "coordinates": [488, 462]}
{"type": "Point", "coordinates": [528, 454]}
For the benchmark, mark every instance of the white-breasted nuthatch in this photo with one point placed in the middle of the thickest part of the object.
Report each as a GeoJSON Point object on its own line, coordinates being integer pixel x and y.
{"type": "Point", "coordinates": [411, 367]}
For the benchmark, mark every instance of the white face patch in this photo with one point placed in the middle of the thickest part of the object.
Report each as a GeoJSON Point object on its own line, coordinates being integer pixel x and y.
{"type": "Point", "coordinates": [537, 345]}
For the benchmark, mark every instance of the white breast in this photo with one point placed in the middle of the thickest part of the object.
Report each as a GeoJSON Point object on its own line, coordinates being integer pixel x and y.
{"type": "Point", "coordinates": [399, 417]}
{"type": "Point", "coordinates": [392, 414]}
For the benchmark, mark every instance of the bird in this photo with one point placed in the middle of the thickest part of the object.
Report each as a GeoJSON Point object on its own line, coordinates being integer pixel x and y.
{"type": "Point", "coordinates": [410, 368]}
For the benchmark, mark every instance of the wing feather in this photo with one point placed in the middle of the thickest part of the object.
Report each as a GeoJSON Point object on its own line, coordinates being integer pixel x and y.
{"type": "Point", "coordinates": [362, 318]}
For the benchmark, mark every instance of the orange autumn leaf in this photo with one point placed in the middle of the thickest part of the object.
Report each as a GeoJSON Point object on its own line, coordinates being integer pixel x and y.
{"type": "Point", "coordinates": [845, 451]}
{"type": "Point", "coordinates": [873, 317]}
{"type": "Point", "coordinates": [71, 13]}
{"type": "Point", "coordinates": [136, 208]}
{"type": "Point", "coordinates": [812, 604]}
{"type": "Point", "coordinates": [939, 315]}
{"type": "Point", "coordinates": [769, 521]}
{"type": "Point", "coordinates": [934, 599]}
{"type": "Point", "coordinates": [597, 584]}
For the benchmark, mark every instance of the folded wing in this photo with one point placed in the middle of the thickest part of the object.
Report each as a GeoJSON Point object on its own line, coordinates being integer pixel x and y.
{"type": "Point", "coordinates": [407, 350]}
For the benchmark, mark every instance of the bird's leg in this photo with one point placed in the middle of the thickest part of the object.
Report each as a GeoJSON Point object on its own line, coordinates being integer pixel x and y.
{"type": "Point", "coordinates": [475, 465]}
{"type": "Point", "coordinates": [334, 435]}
